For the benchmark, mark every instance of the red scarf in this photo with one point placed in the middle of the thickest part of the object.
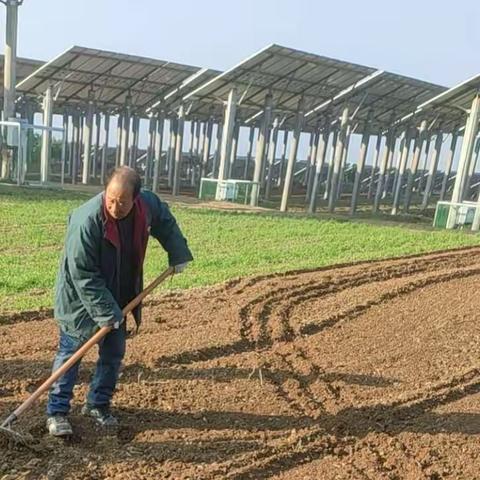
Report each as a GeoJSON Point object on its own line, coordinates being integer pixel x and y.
{"type": "Point", "coordinates": [140, 229]}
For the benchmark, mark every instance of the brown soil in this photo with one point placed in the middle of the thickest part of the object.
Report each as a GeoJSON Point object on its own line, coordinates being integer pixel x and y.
{"type": "Point", "coordinates": [367, 371]}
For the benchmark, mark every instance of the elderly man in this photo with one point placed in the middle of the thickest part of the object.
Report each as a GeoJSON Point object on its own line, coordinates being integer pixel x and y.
{"type": "Point", "coordinates": [100, 272]}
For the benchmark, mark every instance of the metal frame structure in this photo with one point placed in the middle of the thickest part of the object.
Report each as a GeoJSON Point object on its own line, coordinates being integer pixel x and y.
{"type": "Point", "coordinates": [86, 82]}
{"type": "Point", "coordinates": [272, 83]}
{"type": "Point", "coordinates": [448, 111]}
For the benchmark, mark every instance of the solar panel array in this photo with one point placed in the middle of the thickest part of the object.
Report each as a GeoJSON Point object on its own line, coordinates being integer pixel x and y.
{"type": "Point", "coordinates": [112, 80]}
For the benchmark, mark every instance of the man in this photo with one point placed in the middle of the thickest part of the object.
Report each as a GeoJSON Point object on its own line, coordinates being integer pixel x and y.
{"type": "Point", "coordinates": [100, 272]}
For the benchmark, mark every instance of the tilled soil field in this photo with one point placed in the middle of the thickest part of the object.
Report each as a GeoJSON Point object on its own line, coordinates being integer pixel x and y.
{"type": "Point", "coordinates": [364, 371]}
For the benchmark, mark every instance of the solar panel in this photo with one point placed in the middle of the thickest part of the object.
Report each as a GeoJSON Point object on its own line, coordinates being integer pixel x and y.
{"type": "Point", "coordinates": [25, 67]}
{"type": "Point", "coordinates": [386, 95]}
{"type": "Point", "coordinates": [287, 73]}
{"type": "Point", "coordinates": [450, 107]}
{"type": "Point", "coordinates": [110, 77]}
{"type": "Point", "coordinates": [174, 98]}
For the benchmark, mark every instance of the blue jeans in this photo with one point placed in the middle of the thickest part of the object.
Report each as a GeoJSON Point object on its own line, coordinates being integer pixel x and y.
{"type": "Point", "coordinates": [111, 351]}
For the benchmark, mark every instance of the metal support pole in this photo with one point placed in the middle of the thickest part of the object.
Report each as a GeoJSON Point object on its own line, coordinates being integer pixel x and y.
{"type": "Point", "coordinates": [472, 167]}
{"type": "Point", "coordinates": [248, 159]}
{"type": "Point", "coordinates": [433, 170]}
{"type": "Point", "coordinates": [10, 59]}
{"type": "Point", "coordinates": [192, 162]}
{"type": "Point", "coordinates": [87, 143]}
{"type": "Point", "coordinates": [448, 166]}
{"type": "Point", "coordinates": [319, 161]}
{"type": "Point", "coordinates": [471, 129]}
{"type": "Point", "coordinates": [391, 169]}
{"type": "Point", "coordinates": [30, 134]}
{"type": "Point", "coordinates": [46, 136]}
{"type": "Point", "coordinates": [421, 181]}
{"type": "Point", "coordinates": [343, 164]}
{"type": "Point", "coordinates": [331, 161]}
{"type": "Point", "coordinates": [263, 174]}
{"type": "Point", "coordinates": [389, 145]}
{"type": "Point", "coordinates": [282, 159]}
{"type": "Point", "coordinates": [202, 139]}
{"type": "Point", "coordinates": [196, 141]}
{"type": "Point", "coordinates": [412, 172]}
{"type": "Point", "coordinates": [106, 132]}
{"type": "Point", "coordinates": [476, 218]}
{"type": "Point", "coordinates": [313, 155]}
{"type": "Point", "coordinates": [80, 143]}
{"type": "Point", "coordinates": [401, 171]}
{"type": "Point", "coordinates": [158, 151]}
{"type": "Point", "coordinates": [21, 158]}
{"type": "Point", "coordinates": [342, 139]}
{"type": "Point", "coordinates": [398, 156]}
{"type": "Point", "coordinates": [179, 151]}
{"type": "Point", "coordinates": [64, 147]}
{"type": "Point", "coordinates": [226, 146]}
{"type": "Point", "coordinates": [9, 76]}
{"type": "Point", "coordinates": [233, 156]}
{"type": "Point", "coordinates": [292, 157]}
{"type": "Point", "coordinates": [152, 124]}
{"type": "Point", "coordinates": [98, 120]}
{"type": "Point", "coordinates": [191, 140]}
{"type": "Point", "coordinates": [376, 158]}
{"type": "Point", "coordinates": [19, 167]}
{"type": "Point", "coordinates": [125, 136]}
{"type": "Point", "coordinates": [119, 140]}
{"type": "Point", "coordinates": [171, 152]}
{"type": "Point", "coordinates": [206, 148]}
{"type": "Point", "coordinates": [361, 164]}
{"type": "Point", "coordinates": [75, 145]}
{"type": "Point", "coordinates": [310, 157]}
{"type": "Point", "coordinates": [218, 144]}
{"type": "Point", "coordinates": [271, 158]}
{"type": "Point", "coordinates": [260, 150]}
{"type": "Point", "coordinates": [134, 147]}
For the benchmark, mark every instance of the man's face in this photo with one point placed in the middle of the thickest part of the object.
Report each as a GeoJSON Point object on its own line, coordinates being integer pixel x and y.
{"type": "Point", "coordinates": [118, 199]}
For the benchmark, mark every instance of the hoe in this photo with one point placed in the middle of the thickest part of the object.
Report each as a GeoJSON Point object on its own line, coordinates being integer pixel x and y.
{"type": "Point", "coordinates": [6, 426]}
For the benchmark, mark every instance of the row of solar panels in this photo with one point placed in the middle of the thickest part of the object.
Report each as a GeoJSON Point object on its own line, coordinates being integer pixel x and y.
{"type": "Point", "coordinates": [112, 80]}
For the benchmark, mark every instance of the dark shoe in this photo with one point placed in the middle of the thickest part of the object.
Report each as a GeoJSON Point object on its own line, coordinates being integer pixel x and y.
{"type": "Point", "coordinates": [59, 426]}
{"type": "Point", "coordinates": [101, 415]}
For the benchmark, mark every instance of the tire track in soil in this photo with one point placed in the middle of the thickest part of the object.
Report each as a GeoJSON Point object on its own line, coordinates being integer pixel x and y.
{"type": "Point", "coordinates": [298, 394]}
{"type": "Point", "coordinates": [301, 391]}
{"type": "Point", "coordinates": [289, 297]}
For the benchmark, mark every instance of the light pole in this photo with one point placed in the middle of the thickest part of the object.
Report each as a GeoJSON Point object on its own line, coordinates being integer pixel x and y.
{"type": "Point", "coordinates": [10, 64]}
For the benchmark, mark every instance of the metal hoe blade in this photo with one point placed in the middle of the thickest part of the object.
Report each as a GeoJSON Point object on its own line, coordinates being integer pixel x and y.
{"type": "Point", "coordinates": [18, 438]}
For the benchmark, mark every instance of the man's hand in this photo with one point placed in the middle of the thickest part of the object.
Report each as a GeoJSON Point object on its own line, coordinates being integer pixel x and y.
{"type": "Point", "coordinates": [114, 324]}
{"type": "Point", "coordinates": [180, 267]}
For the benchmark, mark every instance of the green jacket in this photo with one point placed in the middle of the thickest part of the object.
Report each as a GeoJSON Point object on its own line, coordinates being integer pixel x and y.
{"type": "Point", "coordinates": [87, 283]}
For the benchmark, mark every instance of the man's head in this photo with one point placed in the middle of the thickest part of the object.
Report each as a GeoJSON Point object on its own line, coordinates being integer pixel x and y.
{"type": "Point", "coordinates": [122, 186]}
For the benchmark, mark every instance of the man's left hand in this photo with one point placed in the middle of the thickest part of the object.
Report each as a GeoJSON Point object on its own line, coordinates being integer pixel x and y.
{"type": "Point", "coordinates": [180, 267]}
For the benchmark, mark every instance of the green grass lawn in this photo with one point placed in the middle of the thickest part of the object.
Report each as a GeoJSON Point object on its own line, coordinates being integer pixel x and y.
{"type": "Point", "coordinates": [225, 244]}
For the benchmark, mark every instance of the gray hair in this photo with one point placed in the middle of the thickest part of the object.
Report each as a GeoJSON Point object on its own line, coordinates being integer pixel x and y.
{"type": "Point", "coordinates": [127, 175]}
